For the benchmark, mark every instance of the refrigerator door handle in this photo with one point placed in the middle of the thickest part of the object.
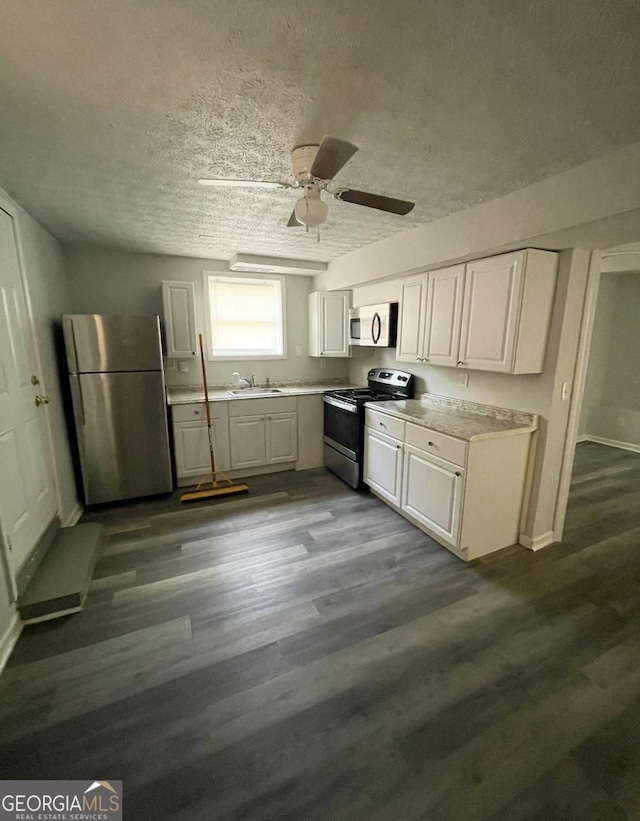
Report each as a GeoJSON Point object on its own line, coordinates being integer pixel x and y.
{"type": "Point", "coordinates": [76, 397]}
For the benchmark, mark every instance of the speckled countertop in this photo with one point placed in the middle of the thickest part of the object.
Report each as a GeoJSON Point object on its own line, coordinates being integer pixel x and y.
{"type": "Point", "coordinates": [188, 394]}
{"type": "Point", "coordinates": [462, 420]}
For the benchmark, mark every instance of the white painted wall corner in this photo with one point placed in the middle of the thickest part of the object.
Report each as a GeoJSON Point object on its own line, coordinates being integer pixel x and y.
{"type": "Point", "coordinates": [537, 542]}
{"type": "Point", "coordinates": [74, 517]}
{"type": "Point", "coordinates": [9, 639]}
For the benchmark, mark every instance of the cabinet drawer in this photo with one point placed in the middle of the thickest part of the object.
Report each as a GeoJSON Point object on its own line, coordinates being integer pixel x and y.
{"type": "Point", "coordinates": [385, 423]}
{"type": "Point", "coordinates": [446, 447]}
{"type": "Point", "coordinates": [193, 412]}
{"type": "Point", "coordinates": [262, 405]}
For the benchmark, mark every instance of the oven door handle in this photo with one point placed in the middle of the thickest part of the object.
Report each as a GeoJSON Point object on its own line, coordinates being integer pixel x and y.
{"type": "Point", "coordinates": [376, 336]}
{"type": "Point", "coordinates": [340, 403]}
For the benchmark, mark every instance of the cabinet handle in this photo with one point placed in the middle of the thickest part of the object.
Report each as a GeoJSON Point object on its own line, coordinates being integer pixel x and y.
{"type": "Point", "coordinates": [382, 424]}
{"type": "Point", "coordinates": [460, 362]}
{"type": "Point", "coordinates": [458, 473]}
{"type": "Point", "coordinates": [197, 413]}
{"type": "Point", "coordinates": [398, 447]}
{"type": "Point", "coordinates": [269, 418]}
{"type": "Point", "coordinates": [418, 359]}
{"type": "Point", "coordinates": [431, 445]}
{"type": "Point", "coordinates": [426, 359]}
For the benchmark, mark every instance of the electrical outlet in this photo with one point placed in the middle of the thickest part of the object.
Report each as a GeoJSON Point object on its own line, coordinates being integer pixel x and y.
{"type": "Point", "coordinates": [463, 378]}
{"type": "Point", "coordinates": [183, 366]}
{"type": "Point", "coordinates": [298, 350]}
{"type": "Point", "coordinates": [565, 390]}
{"type": "Point", "coordinates": [323, 364]}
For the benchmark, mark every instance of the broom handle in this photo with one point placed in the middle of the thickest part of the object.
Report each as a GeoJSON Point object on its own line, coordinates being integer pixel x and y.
{"type": "Point", "coordinates": [207, 411]}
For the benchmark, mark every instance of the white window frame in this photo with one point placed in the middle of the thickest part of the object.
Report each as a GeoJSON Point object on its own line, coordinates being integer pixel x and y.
{"type": "Point", "coordinates": [211, 357]}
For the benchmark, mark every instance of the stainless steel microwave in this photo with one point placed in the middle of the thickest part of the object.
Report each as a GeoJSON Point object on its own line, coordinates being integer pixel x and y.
{"type": "Point", "coordinates": [374, 326]}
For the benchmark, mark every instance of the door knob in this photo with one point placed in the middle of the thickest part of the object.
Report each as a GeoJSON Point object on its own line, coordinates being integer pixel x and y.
{"type": "Point", "coordinates": [41, 400]}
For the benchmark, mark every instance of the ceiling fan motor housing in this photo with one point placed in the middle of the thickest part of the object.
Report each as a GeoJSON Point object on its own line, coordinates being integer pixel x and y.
{"type": "Point", "coordinates": [302, 159]}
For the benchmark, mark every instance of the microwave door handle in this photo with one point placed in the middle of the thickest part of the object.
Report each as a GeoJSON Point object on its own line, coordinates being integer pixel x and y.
{"type": "Point", "coordinates": [376, 336]}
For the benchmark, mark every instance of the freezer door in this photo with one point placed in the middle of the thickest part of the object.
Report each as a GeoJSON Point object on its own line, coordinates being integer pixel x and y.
{"type": "Point", "coordinates": [121, 421]}
{"type": "Point", "coordinates": [99, 344]}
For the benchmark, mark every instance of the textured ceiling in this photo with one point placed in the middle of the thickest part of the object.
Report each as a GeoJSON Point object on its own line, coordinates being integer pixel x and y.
{"type": "Point", "coordinates": [111, 110]}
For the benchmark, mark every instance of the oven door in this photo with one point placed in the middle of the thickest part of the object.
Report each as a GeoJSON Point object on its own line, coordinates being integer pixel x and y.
{"type": "Point", "coordinates": [343, 429]}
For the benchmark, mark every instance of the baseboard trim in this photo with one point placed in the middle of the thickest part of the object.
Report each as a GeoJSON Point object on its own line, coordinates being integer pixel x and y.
{"type": "Point", "coordinates": [74, 517]}
{"type": "Point", "coordinates": [9, 639]}
{"type": "Point", "coordinates": [612, 443]}
{"type": "Point", "coordinates": [538, 542]}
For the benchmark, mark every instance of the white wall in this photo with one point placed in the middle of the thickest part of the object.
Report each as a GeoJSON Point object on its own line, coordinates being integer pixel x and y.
{"type": "Point", "coordinates": [595, 205]}
{"type": "Point", "coordinates": [535, 393]}
{"type": "Point", "coordinates": [111, 282]}
{"type": "Point", "coordinates": [611, 406]}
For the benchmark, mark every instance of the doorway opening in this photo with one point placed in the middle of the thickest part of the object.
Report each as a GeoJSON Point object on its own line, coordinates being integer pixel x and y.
{"type": "Point", "coordinates": [604, 477]}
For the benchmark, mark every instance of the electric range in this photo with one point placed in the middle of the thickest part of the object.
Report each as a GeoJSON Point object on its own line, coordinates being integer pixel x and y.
{"type": "Point", "coordinates": [344, 420]}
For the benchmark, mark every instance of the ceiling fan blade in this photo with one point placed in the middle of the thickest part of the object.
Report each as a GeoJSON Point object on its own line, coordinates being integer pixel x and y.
{"type": "Point", "coordinates": [389, 204]}
{"type": "Point", "coordinates": [227, 183]}
{"type": "Point", "coordinates": [293, 222]}
{"type": "Point", "coordinates": [332, 155]}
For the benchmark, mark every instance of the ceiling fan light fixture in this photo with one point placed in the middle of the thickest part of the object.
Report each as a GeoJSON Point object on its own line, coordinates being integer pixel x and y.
{"type": "Point", "coordinates": [310, 210]}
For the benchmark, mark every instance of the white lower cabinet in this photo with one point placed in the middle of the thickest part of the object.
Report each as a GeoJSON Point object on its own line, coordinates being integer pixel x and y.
{"type": "Point", "coordinates": [263, 440]}
{"type": "Point", "coordinates": [383, 465]}
{"type": "Point", "coordinates": [250, 435]}
{"type": "Point", "coordinates": [263, 432]}
{"type": "Point", "coordinates": [467, 495]}
{"type": "Point", "coordinates": [281, 437]}
{"type": "Point", "coordinates": [191, 440]}
{"type": "Point", "coordinates": [432, 493]}
{"type": "Point", "coordinates": [247, 439]}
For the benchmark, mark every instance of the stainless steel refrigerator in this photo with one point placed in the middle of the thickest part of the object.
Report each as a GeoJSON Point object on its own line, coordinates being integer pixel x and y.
{"type": "Point", "coordinates": [119, 405]}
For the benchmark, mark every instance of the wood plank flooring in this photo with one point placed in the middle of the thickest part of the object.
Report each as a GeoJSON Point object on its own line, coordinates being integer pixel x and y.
{"type": "Point", "coordinates": [304, 653]}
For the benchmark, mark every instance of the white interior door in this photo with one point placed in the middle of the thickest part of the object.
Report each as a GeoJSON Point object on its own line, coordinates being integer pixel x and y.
{"type": "Point", "coordinates": [27, 497]}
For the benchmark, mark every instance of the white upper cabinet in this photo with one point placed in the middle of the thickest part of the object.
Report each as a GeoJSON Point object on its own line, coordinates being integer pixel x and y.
{"type": "Point", "coordinates": [179, 308]}
{"type": "Point", "coordinates": [430, 319]}
{"type": "Point", "coordinates": [490, 315]}
{"type": "Point", "coordinates": [411, 332]}
{"type": "Point", "coordinates": [329, 323]}
{"type": "Point", "coordinates": [506, 312]}
{"type": "Point", "coordinates": [443, 310]}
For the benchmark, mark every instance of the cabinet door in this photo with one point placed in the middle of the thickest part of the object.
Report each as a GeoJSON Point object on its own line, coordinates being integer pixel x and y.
{"type": "Point", "coordinates": [247, 437]}
{"type": "Point", "coordinates": [334, 323]}
{"type": "Point", "coordinates": [178, 303]}
{"type": "Point", "coordinates": [411, 334]}
{"type": "Point", "coordinates": [383, 465]}
{"type": "Point", "coordinates": [490, 314]}
{"type": "Point", "coordinates": [281, 433]}
{"type": "Point", "coordinates": [432, 493]}
{"type": "Point", "coordinates": [443, 314]}
{"type": "Point", "coordinates": [192, 447]}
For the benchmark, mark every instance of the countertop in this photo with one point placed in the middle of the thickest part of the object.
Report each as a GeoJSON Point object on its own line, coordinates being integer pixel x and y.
{"type": "Point", "coordinates": [462, 420]}
{"type": "Point", "coordinates": [186, 395]}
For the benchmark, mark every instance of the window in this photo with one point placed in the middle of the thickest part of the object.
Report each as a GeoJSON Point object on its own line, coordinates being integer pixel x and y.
{"type": "Point", "coordinates": [246, 316]}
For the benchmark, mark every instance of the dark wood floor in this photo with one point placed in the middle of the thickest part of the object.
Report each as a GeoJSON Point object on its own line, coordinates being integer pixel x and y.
{"type": "Point", "coordinates": [304, 653]}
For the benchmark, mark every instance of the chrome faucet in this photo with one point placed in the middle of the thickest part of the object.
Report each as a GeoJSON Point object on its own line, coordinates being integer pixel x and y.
{"type": "Point", "coordinates": [250, 382]}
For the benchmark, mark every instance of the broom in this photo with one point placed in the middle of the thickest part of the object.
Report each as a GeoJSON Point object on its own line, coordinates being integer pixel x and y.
{"type": "Point", "coordinates": [210, 487]}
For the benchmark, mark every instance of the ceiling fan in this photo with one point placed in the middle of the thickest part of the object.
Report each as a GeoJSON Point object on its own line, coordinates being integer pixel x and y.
{"type": "Point", "coordinates": [314, 167]}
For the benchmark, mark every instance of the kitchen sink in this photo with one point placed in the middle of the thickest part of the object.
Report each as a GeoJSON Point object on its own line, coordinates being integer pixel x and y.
{"type": "Point", "coordinates": [255, 392]}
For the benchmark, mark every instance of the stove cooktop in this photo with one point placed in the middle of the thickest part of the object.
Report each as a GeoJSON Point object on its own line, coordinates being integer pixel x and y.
{"type": "Point", "coordinates": [362, 395]}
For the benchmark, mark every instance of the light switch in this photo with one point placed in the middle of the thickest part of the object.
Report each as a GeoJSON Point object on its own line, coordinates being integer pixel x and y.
{"type": "Point", "coordinates": [183, 366]}
{"type": "Point", "coordinates": [298, 350]}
